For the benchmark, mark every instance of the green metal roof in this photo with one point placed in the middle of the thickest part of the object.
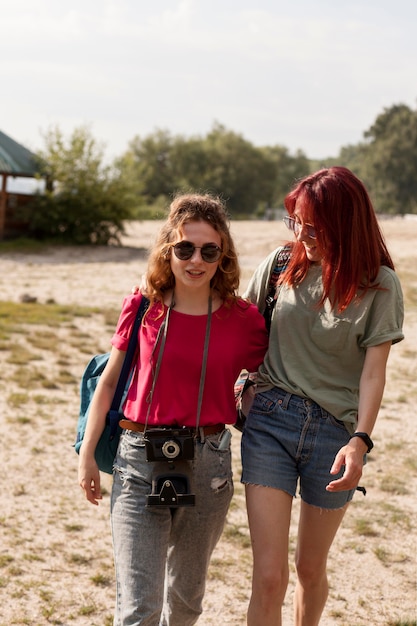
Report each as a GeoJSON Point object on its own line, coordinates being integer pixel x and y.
{"type": "Point", "coordinates": [16, 159]}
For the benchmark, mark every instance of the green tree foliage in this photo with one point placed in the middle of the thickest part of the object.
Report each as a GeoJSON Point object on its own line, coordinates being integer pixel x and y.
{"type": "Point", "coordinates": [392, 159]}
{"type": "Point", "coordinates": [236, 170]}
{"type": "Point", "coordinates": [88, 202]}
{"type": "Point", "coordinates": [387, 160]}
{"type": "Point", "coordinates": [285, 171]}
{"type": "Point", "coordinates": [223, 163]}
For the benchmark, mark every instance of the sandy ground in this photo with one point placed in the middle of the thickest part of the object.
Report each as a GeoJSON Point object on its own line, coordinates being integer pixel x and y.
{"type": "Point", "coordinates": [55, 548]}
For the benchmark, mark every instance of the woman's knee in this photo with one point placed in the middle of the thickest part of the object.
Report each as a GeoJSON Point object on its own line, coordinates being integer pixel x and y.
{"type": "Point", "coordinates": [309, 572]}
{"type": "Point", "coordinates": [271, 582]}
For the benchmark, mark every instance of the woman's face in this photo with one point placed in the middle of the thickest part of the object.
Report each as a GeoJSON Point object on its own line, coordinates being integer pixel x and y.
{"type": "Point", "coordinates": [304, 233]}
{"type": "Point", "coordinates": [195, 272]}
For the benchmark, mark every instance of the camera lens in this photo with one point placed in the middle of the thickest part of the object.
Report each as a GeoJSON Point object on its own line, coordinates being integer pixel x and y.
{"type": "Point", "coordinates": [171, 449]}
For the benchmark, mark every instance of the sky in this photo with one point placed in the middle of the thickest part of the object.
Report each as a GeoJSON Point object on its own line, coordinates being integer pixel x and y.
{"type": "Point", "coordinates": [310, 76]}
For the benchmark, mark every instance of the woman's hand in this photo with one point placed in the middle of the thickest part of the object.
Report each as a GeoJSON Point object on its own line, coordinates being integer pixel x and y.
{"type": "Point", "coordinates": [247, 400]}
{"type": "Point", "coordinates": [89, 478]}
{"type": "Point", "coordinates": [350, 456]}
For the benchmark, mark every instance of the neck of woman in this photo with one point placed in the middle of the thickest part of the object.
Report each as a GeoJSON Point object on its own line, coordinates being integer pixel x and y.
{"type": "Point", "coordinates": [192, 302]}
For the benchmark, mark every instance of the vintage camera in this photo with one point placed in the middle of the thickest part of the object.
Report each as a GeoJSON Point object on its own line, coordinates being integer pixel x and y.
{"type": "Point", "coordinates": [170, 490]}
{"type": "Point", "coordinates": [169, 444]}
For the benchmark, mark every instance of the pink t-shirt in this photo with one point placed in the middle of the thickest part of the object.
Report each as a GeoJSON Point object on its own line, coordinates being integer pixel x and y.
{"type": "Point", "coordinates": [238, 340]}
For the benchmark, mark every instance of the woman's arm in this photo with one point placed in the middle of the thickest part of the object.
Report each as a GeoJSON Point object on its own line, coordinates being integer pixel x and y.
{"type": "Point", "coordinates": [257, 288]}
{"type": "Point", "coordinates": [88, 472]}
{"type": "Point", "coordinates": [371, 389]}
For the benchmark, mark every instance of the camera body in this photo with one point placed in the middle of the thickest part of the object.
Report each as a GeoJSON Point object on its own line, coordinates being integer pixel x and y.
{"type": "Point", "coordinates": [170, 490]}
{"type": "Point", "coordinates": [169, 444]}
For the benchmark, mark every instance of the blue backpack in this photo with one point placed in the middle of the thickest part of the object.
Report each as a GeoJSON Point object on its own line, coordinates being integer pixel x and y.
{"type": "Point", "coordinates": [107, 445]}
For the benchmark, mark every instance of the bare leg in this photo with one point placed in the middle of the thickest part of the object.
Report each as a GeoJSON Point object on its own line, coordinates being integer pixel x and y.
{"type": "Point", "coordinates": [316, 531]}
{"type": "Point", "coordinates": [269, 514]}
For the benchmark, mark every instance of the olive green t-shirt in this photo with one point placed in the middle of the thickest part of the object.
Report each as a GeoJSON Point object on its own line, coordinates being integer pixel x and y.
{"type": "Point", "coordinates": [318, 353]}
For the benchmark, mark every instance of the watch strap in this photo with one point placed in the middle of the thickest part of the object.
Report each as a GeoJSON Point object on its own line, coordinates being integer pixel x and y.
{"type": "Point", "coordinates": [366, 438]}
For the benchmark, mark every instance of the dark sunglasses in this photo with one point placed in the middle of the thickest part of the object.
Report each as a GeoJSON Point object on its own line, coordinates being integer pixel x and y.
{"type": "Point", "coordinates": [184, 250]}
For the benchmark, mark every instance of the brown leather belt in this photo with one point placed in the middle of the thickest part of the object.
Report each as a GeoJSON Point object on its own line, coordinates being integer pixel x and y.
{"type": "Point", "coordinates": [140, 428]}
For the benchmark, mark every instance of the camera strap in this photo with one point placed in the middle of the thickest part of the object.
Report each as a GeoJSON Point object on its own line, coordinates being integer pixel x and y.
{"type": "Point", "coordinates": [163, 331]}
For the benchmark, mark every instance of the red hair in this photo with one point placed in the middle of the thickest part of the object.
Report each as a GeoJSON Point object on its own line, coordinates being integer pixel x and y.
{"type": "Point", "coordinates": [353, 249]}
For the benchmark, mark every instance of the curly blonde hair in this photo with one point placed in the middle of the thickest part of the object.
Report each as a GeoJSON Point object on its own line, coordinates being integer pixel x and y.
{"type": "Point", "coordinates": [193, 208]}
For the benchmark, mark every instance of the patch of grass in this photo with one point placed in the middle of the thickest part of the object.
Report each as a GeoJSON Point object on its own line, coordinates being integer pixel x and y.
{"type": "Point", "coordinates": [65, 377]}
{"type": "Point", "coordinates": [363, 527]}
{"type": "Point", "coordinates": [409, 354]}
{"type": "Point", "coordinates": [49, 384]}
{"type": "Point", "coordinates": [100, 580]}
{"type": "Point", "coordinates": [31, 556]}
{"type": "Point", "coordinates": [13, 315]}
{"type": "Point", "coordinates": [392, 446]}
{"type": "Point", "coordinates": [382, 555]}
{"type": "Point", "coordinates": [396, 516]}
{"type": "Point", "coordinates": [31, 378]}
{"type": "Point", "coordinates": [5, 559]}
{"type": "Point", "coordinates": [233, 533]}
{"type": "Point", "coordinates": [111, 317]}
{"type": "Point", "coordinates": [23, 244]}
{"type": "Point", "coordinates": [411, 463]}
{"type": "Point", "coordinates": [17, 399]}
{"type": "Point", "coordinates": [79, 559]}
{"type": "Point", "coordinates": [393, 484]}
{"type": "Point", "coordinates": [402, 399]}
{"type": "Point", "coordinates": [45, 595]}
{"type": "Point", "coordinates": [19, 490]}
{"type": "Point", "coordinates": [87, 610]}
{"type": "Point", "coordinates": [44, 340]}
{"type": "Point", "coordinates": [21, 356]}
{"type": "Point", "coordinates": [42, 399]}
{"type": "Point", "coordinates": [71, 528]}
{"type": "Point", "coordinates": [22, 419]}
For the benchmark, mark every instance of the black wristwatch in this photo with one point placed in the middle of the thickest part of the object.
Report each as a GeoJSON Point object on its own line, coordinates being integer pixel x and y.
{"type": "Point", "coordinates": [366, 438]}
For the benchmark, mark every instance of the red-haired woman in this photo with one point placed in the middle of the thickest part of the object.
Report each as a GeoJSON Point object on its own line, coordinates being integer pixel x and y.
{"type": "Point", "coordinates": [339, 308]}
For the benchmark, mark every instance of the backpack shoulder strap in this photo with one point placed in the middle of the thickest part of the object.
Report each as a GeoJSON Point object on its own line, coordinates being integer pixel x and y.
{"type": "Point", "coordinates": [113, 414]}
{"type": "Point", "coordinates": [281, 261]}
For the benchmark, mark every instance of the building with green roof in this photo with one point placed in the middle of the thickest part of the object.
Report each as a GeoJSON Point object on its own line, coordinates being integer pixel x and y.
{"type": "Point", "coordinates": [16, 163]}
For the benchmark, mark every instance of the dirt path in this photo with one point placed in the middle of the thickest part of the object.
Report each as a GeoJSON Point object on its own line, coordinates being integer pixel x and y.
{"type": "Point", "coordinates": [55, 549]}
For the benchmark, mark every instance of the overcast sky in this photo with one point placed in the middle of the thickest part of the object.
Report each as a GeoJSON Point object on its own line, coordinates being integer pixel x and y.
{"type": "Point", "coordinates": [309, 75]}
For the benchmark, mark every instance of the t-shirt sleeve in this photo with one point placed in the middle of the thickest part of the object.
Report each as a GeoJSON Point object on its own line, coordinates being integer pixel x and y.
{"type": "Point", "coordinates": [256, 337]}
{"type": "Point", "coordinates": [120, 339]}
{"type": "Point", "coordinates": [257, 288]}
{"type": "Point", "coordinates": [387, 312]}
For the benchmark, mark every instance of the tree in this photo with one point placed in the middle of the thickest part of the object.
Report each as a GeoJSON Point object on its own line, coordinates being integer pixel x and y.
{"type": "Point", "coordinates": [237, 171]}
{"type": "Point", "coordinates": [392, 159]}
{"type": "Point", "coordinates": [223, 163]}
{"type": "Point", "coordinates": [387, 160]}
{"type": "Point", "coordinates": [88, 202]}
{"type": "Point", "coordinates": [285, 171]}
{"type": "Point", "coordinates": [148, 163]}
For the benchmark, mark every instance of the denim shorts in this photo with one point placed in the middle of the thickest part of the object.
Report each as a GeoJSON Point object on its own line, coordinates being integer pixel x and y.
{"type": "Point", "coordinates": [288, 439]}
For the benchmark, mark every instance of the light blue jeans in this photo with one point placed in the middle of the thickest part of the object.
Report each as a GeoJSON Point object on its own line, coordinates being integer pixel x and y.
{"type": "Point", "coordinates": [162, 554]}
